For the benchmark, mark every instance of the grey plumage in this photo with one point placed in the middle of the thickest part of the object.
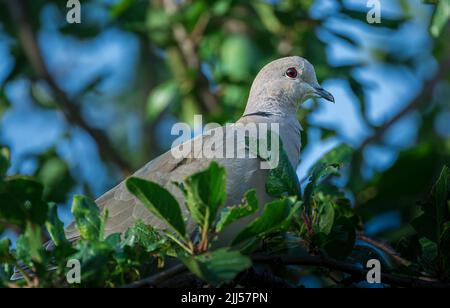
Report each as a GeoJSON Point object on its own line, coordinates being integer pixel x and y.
{"type": "Point", "coordinates": [274, 98]}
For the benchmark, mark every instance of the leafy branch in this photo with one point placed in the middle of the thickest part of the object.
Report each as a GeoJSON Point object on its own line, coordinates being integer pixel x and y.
{"type": "Point", "coordinates": [144, 256]}
{"type": "Point", "coordinates": [18, 12]}
{"type": "Point", "coordinates": [355, 270]}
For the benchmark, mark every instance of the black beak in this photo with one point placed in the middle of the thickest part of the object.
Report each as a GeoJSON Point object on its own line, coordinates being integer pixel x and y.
{"type": "Point", "coordinates": [324, 94]}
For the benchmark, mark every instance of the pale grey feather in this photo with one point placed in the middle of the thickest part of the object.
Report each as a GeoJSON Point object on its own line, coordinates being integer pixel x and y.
{"type": "Point", "coordinates": [273, 94]}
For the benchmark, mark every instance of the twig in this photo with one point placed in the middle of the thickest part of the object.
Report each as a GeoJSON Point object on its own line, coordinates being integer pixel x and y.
{"type": "Point", "coordinates": [18, 11]}
{"type": "Point", "coordinates": [354, 270]}
{"type": "Point", "coordinates": [386, 248]}
{"type": "Point", "coordinates": [187, 45]}
{"type": "Point", "coordinates": [157, 279]}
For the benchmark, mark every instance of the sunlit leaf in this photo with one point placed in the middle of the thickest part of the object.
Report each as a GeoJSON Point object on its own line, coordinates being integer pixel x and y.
{"type": "Point", "coordinates": [440, 18]}
{"type": "Point", "coordinates": [87, 217]}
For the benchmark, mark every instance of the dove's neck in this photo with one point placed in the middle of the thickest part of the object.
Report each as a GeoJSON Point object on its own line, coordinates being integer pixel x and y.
{"type": "Point", "coordinates": [289, 130]}
{"type": "Point", "coordinates": [270, 105]}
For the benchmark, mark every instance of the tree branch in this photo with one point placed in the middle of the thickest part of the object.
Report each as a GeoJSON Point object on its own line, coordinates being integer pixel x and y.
{"type": "Point", "coordinates": [27, 38]}
{"type": "Point", "coordinates": [253, 278]}
{"type": "Point", "coordinates": [352, 269]}
{"type": "Point", "coordinates": [157, 279]}
{"type": "Point", "coordinates": [386, 248]}
{"type": "Point", "coordinates": [187, 46]}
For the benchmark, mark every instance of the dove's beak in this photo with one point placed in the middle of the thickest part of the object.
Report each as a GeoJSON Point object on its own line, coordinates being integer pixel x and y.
{"type": "Point", "coordinates": [324, 94]}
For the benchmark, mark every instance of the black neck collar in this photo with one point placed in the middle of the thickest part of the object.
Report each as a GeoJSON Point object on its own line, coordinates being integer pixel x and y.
{"type": "Point", "coordinates": [258, 113]}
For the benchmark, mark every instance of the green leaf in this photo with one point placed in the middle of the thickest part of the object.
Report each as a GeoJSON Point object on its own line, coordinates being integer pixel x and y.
{"type": "Point", "coordinates": [444, 249]}
{"type": "Point", "coordinates": [29, 246]}
{"type": "Point", "coordinates": [161, 97]}
{"type": "Point", "coordinates": [95, 257]}
{"type": "Point", "coordinates": [4, 161]}
{"type": "Point", "coordinates": [87, 217]}
{"type": "Point", "coordinates": [282, 178]}
{"type": "Point", "coordinates": [326, 217]}
{"type": "Point", "coordinates": [248, 206]}
{"type": "Point", "coordinates": [147, 237]}
{"type": "Point", "coordinates": [54, 174]}
{"type": "Point", "coordinates": [21, 201]}
{"type": "Point", "coordinates": [158, 25]}
{"type": "Point", "coordinates": [5, 254]}
{"type": "Point", "coordinates": [274, 216]}
{"type": "Point", "coordinates": [442, 195]}
{"type": "Point", "coordinates": [55, 227]}
{"type": "Point", "coordinates": [237, 56]}
{"type": "Point", "coordinates": [341, 154]}
{"type": "Point", "coordinates": [320, 171]}
{"type": "Point", "coordinates": [113, 239]}
{"type": "Point", "coordinates": [221, 7]}
{"type": "Point", "coordinates": [435, 211]}
{"type": "Point", "coordinates": [409, 247]}
{"type": "Point", "coordinates": [141, 234]}
{"type": "Point", "coordinates": [158, 201]}
{"type": "Point", "coordinates": [440, 18]}
{"type": "Point", "coordinates": [205, 192]}
{"type": "Point", "coordinates": [339, 243]}
{"type": "Point", "coordinates": [219, 266]}
{"type": "Point", "coordinates": [429, 250]}
{"type": "Point", "coordinates": [267, 16]}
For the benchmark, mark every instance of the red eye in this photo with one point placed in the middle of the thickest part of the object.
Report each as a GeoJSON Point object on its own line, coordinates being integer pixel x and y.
{"type": "Point", "coordinates": [291, 72]}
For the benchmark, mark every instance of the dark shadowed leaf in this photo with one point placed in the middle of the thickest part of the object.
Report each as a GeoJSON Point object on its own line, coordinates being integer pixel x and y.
{"type": "Point", "coordinates": [444, 249]}
{"type": "Point", "coordinates": [340, 241]}
{"type": "Point", "coordinates": [21, 201]}
{"type": "Point", "coordinates": [54, 174]}
{"type": "Point", "coordinates": [435, 211]}
{"type": "Point", "coordinates": [4, 161]}
{"type": "Point", "coordinates": [320, 171]}
{"type": "Point", "coordinates": [5, 255]}
{"type": "Point", "coordinates": [219, 266]}
{"type": "Point", "coordinates": [282, 178]}
{"type": "Point", "coordinates": [429, 250]}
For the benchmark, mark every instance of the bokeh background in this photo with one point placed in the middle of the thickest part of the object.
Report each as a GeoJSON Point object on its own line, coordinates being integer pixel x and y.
{"type": "Point", "coordinates": [83, 105]}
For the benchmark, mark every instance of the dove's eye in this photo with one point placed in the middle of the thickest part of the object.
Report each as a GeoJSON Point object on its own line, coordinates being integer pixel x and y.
{"type": "Point", "coordinates": [291, 72]}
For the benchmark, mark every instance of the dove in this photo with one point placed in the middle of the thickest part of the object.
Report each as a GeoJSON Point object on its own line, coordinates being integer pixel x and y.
{"type": "Point", "coordinates": [275, 95]}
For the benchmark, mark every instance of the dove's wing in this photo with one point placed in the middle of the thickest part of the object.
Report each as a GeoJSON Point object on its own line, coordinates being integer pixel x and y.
{"type": "Point", "coordinates": [124, 209]}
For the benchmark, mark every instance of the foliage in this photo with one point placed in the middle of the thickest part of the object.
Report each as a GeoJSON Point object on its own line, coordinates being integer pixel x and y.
{"type": "Point", "coordinates": [327, 226]}
{"type": "Point", "coordinates": [201, 57]}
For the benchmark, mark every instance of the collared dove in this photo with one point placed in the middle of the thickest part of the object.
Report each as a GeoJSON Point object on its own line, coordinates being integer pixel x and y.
{"type": "Point", "coordinates": [275, 95]}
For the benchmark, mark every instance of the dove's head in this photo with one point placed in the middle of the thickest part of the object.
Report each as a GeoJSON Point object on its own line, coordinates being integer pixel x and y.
{"type": "Point", "coordinates": [282, 85]}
